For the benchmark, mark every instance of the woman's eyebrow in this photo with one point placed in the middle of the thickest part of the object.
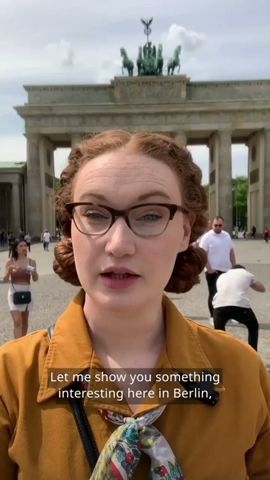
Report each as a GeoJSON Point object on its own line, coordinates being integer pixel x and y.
{"type": "Point", "coordinates": [144, 196]}
{"type": "Point", "coordinates": [155, 193]}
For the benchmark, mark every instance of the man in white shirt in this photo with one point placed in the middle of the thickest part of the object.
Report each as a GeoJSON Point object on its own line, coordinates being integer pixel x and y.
{"type": "Point", "coordinates": [220, 256]}
{"type": "Point", "coordinates": [232, 301]}
{"type": "Point", "coordinates": [46, 238]}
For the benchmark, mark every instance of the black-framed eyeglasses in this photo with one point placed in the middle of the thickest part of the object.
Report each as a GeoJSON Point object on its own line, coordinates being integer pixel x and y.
{"type": "Point", "coordinates": [218, 225]}
{"type": "Point", "coordinates": [145, 220]}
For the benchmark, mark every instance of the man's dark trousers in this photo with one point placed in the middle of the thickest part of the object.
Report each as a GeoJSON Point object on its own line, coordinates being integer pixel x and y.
{"type": "Point", "coordinates": [246, 316]}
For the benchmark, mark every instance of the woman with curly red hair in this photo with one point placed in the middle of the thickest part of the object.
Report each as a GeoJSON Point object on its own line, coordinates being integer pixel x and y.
{"type": "Point", "coordinates": [131, 208]}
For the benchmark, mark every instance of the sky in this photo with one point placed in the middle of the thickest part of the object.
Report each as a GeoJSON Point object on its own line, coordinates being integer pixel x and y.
{"type": "Point", "coordinates": [79, 41]}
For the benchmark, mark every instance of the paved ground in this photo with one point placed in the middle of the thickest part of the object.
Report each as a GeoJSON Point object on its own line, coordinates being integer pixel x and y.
{"type": "Point", "coordinates": [51, 294]}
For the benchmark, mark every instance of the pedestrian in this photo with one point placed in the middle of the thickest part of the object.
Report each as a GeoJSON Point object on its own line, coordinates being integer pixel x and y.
{"type": "Point", "coordinates": [232, 301]}
{"type": "Point", "coordinates": [2, 238]}
{"type": "Point", "coordinates": [58, 233]}
{"type": "Point", "coordinates": [220, 257]}
{"type": "Point", "coordinates": [253, 232]}
{"type": "Point", "coordinates": [19, 271]}
{"type": "Point", "coordinates": [46, 238]}
{"type": "Point", "coordinates": [130, 207]}
{"type": "Point", "coordinates": [28, 239]}
{"type": "Point", "coordinates": [266, 234]}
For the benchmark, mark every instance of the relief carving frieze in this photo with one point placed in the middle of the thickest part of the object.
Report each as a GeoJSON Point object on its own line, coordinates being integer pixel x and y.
{"type": "Point", "coordinates": [148, 89]}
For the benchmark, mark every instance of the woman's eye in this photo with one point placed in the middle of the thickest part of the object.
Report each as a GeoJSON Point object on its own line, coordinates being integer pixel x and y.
{"type": "Point", "coordinates": [150, 217]}
{"type": "Point", "coordinates": [93, 215]}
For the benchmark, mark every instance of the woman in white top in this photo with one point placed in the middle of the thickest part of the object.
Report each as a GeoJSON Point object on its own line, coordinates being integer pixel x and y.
{"type": "Point", "coordinates": [232, 302]}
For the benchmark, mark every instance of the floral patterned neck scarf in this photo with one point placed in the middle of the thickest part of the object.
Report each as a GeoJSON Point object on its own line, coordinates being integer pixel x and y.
{"type": "Point", "coordinates": [123, 450]}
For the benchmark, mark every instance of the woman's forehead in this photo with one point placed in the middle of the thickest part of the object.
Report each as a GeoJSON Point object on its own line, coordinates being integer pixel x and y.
{"type": "Point", "coordinates": [123, 167]}
{"type": "Point", "coordinates": [123, 178]}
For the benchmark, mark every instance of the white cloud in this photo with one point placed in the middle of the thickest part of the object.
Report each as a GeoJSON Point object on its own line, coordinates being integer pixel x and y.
{"type": "Point", "coordinates": [178, 35]}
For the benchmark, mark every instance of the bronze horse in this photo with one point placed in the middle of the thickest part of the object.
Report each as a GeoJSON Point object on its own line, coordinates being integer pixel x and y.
{"type": "Point", "coordinates": [126, 63]}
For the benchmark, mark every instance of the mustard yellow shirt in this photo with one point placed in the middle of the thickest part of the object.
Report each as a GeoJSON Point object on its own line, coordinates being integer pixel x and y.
{"type": "Point", "coordinates": [38, 436]}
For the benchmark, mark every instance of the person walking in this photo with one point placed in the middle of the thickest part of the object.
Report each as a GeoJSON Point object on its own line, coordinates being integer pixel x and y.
{"type": "Point", "coordinates": [220, 257]}
{"type": "Point", "coordinates": [253, 232]}
{"type": "Point", "coordinates": [27, 238]}
{"type": "Point", "coordinates": [46, 238]}
{"type": "Point", "coordinates": [19, 271]}
{"type": "Point", "coordinates": [232, 301]}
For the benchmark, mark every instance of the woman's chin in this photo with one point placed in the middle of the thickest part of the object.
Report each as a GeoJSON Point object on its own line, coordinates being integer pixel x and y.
{"type": "Point", "coordinates": [116, 300]}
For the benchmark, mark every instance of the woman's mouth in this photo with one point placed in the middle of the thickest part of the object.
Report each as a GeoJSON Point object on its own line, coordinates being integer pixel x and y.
{"type": "Point", "coordinates": [117, 280]}
{"type": "Point", "coordinates": [118, 275]}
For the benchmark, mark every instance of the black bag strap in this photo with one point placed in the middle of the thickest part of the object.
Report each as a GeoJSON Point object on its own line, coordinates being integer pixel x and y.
{"type": "Point", "coordinates": [81, 420]}
{"type": "Point", "coordinates": [83, 426]}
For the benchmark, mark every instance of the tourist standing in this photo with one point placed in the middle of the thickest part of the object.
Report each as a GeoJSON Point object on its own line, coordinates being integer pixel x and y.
{"type": "Point", "coordinates": [19, 271]}
{"type": "Point", "coordinates": [220, 257]}
{"type": "Point", "coordinates": [232, 301]}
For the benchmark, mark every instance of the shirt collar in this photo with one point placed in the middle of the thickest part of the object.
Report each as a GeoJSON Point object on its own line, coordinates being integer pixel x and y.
{"type": "Point", "coordinates": [70, 348]}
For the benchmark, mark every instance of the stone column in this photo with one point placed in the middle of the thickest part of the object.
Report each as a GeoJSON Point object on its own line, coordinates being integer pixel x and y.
{"type": "Point", "coordinates": [43, 160]}
{"type": "Point", "coordinates": [34, 188]}
{"type": "Point", "coordinates": [181, 138]}
{"type": "Point", "coordinates": [213, 203]}
{"type": "Point", "coordinates": [15, 208]}
{"type": "Point", "coordinates": [256, 165]}
{"type": "Point", "coordinates": [224, 179]}
{"type": "Point", "coordinates": [46, 149]}
{"type": "Point", "coordinates": [266, 180]}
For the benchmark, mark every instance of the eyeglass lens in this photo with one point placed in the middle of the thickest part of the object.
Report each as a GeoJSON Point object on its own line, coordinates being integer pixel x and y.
{"type": "Point", "coordinates": [144, 220]}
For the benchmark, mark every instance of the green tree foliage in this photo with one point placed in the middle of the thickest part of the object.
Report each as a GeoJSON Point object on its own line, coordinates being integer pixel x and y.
{"type": "Point", "coordinates": [240, 193]}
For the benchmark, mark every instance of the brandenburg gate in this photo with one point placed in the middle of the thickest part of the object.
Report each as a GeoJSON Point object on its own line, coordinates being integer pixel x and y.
{"type": "Point", "coordinates": [216, 114]}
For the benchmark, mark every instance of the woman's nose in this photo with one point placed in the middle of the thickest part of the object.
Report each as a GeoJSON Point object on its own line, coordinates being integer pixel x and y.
{"type": "Point", "coordinates": [120, 240]}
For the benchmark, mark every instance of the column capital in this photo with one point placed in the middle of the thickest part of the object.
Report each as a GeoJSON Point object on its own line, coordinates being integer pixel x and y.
{"type": "Point", "coordinates": [224, 134]}
{"type": "Point", "coordinates": [33, 136]}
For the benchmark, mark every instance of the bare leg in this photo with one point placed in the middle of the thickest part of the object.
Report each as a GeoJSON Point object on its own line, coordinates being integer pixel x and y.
{"type": "Point", "coordinates": [17, 322]}
{"type": "Point", "coordinates": [25, 316]}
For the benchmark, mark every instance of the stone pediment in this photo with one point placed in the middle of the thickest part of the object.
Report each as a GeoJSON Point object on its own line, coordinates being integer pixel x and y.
{"type": "Point", "coordinates": [165, 89]}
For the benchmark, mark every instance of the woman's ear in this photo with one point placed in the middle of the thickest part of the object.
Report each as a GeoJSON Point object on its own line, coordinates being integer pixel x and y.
{"type": "Point", "coordinates": [188, 222]}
